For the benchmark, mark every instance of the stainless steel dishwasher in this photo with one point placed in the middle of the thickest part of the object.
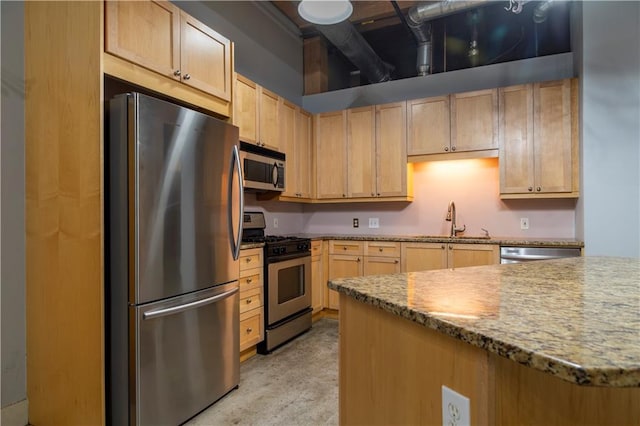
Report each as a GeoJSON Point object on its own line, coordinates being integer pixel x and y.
{"type": "Point", "coordinates": [528, 254]}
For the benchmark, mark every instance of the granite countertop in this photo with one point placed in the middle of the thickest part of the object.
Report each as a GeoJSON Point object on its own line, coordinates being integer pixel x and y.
{"type": "Point", "coordinates": [502, 241]}
{"type": "Point", "coordinates": [245, 246]}
{"type": "Point", "coordinates": [575, 318]}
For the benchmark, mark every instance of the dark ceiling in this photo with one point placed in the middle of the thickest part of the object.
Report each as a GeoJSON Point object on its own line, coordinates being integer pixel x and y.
{"type": "Point", "coordinates": [501, 36]}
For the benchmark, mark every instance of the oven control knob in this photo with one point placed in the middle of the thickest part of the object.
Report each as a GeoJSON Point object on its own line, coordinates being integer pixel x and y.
{"type": "Point", "coordinates": [283, 250]}
{"type": "Point", "coordinates": [275, 250]}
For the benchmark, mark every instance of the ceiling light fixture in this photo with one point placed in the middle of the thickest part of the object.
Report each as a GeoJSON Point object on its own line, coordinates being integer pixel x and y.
{"type": "Point", "coordinates": [325, 12]}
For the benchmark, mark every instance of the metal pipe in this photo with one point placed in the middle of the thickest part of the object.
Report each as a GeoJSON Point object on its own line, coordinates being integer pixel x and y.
{"type": "Point", "coordinates": [350, 42]}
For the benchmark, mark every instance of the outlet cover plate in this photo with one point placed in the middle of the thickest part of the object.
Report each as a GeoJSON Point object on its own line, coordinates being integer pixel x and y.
{"type": "Point", "coordinates": [455, 408]}
{"type": "Point", "coordinates": [374, 222]}
{"type": "Point", "coordinates": [524, 223]}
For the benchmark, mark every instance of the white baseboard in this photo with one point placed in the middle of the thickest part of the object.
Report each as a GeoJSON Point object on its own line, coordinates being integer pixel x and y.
{"type": "Point", "coordinates": [16, 414]}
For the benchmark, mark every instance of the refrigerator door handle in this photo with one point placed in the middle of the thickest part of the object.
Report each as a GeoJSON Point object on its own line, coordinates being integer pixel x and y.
{"type": "Point", "coordinates": [187, 306]}
{"type": "Point", "coordinates": [235, 163]}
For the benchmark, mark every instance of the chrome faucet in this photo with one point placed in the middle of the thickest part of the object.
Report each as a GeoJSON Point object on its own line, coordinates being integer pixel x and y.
{"type": "Point", "coordinates": [451, 217]}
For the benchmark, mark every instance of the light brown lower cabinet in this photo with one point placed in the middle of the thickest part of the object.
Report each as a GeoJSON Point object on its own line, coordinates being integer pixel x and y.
{"type": "Point", "coordinates": [251, 298]}
{"type": "Point", "coordinates": [318, 284]}
{"type": "Point", "coordinates": [428, 256]}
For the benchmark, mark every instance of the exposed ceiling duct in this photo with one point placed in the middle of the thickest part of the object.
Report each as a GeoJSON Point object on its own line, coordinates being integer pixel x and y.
{"type": "Point", "coordinates": [350, 42]}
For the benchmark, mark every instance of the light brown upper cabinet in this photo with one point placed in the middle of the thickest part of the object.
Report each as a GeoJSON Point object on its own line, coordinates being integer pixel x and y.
{"type": "Point", "coordinates": [393, 175]}
{"type": "Point", "coordinates": [295, 138]}
{"type": "Point", "coordinates": [331, 154]}
{"type": "Point", "coordinates": [461, 125]}
{"type": "Point", "coordinates": [361, 154]}
{"type": "Point", "coordinates": [256, 113]}
{"type": "Point", "coordinates": [365, 149]}
{"type": "Point", "coordinates": [159, 36]}
{"type": "Point", "coordinates": [538, 140]}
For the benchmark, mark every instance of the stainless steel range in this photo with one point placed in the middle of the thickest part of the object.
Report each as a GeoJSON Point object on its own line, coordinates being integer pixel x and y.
{"type": "Point", "coordinates": [287, 282]}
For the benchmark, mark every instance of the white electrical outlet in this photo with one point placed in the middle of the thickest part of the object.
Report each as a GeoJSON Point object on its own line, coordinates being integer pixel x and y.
{"type": "Point", "coordinates": [374, 222]}
{"type": "Point", "coordinates": [275, 222]}
{"type": "Point", "coordinates": [455, 408]}
{"type": "Point", "coordinates": [524, 223]}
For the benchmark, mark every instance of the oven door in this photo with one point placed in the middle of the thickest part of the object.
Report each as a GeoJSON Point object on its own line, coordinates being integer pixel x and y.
{"type": "Point", "coordinates": [288, 288]}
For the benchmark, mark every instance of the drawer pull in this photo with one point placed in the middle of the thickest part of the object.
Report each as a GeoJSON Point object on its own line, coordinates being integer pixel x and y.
{"type": "Point", "coordinates": [248, 301]}
{"type": "Point", "coordinates": [249, 280]}
{"type": "Point", "coordinates": [248, 259]}
{"type": "Point", "coordinates": [344, 247]}
{"type": "Point", "coordinates": [249, 330]}
{"type": "Point", "coordinates": [380, 249]}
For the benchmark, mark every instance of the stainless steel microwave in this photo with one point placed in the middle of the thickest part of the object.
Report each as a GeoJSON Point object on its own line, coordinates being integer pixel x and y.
{"type": "Point", "coordinates": [262, 168]}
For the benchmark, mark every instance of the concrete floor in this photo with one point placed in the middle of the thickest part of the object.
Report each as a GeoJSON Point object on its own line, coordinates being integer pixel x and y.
{"type": "Point", "coordinates": [297, 384]}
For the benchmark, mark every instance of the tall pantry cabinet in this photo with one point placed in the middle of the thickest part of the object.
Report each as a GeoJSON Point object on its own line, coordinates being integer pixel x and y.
{"type": "Point", "coordinates": [67, 64]}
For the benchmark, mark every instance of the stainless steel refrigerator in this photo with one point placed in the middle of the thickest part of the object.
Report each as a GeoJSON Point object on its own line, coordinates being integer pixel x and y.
{"type": "Point", "coordinates": [173, 209]}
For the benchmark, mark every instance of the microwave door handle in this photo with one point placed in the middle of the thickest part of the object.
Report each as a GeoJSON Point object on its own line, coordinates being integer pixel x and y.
{"type": "Point", "coordinates": [235, 164]}
{"type": "Point", "coordinates": [274, 175]}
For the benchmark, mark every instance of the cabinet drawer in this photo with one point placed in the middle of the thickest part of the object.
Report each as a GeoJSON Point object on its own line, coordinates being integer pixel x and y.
{"type": "Point", "coordinates": [316, 248]}
{"type": "Point", "coordinates": [251, 332]}
{"type": "Point", "coordinates": [250, 278]}
{"type": "Point", "coordinates": [250, 258]}
{"type": "Point", "coordinates": [250, 299]}
{"type": "Point", "coordinates": [382, 248]}
{"type": "Point", "coordinates": [346, 247]}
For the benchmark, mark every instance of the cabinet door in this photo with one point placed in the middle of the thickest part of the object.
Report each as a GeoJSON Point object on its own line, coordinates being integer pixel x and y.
{"type": "Point", "coordinates": [303, 149]}
{"type": "Point", "coordinates": [391, 151]}
{"type": "Point", "coordinates": [361, 127]}
{"type": "Point", "coordinates": [462, 255]}
{"type": "Point", "coordinates": [429, 128]}
{"type": "Point", "coordinates": [146, 33]}
{"type": "Point", "coordinates": [331, 154]}
{"type": "Point", "coordinates": [552, 130]}
{"type": "Point", "coordinates": [205, 58]}
{"type": "Point", "coordinates": [516, 139]}
{"type": "Point", "coordinates": [422, 256]}
{"type": "Point", "coordinates": [342, 266]}
{"type": "Point", "coordinates": [287, 117]}
{"type": "Point", "coordinates": [269, 126]}
{"type": "Point", "coordinates": [374, 265]}
{"type": "Point", "coordinates": [317, 284]}
{"type": "Point", "coordinates": [245, 106]}
{"type": "Point", "coordinates": [474, 120]}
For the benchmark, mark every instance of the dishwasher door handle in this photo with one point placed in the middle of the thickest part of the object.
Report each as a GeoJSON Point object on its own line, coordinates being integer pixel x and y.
{"type": "Point", "coordinates": [526, 257]}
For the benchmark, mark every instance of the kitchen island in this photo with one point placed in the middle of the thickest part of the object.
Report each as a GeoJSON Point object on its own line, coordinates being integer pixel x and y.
{"type": "Point", "coordinates": [552, 342]}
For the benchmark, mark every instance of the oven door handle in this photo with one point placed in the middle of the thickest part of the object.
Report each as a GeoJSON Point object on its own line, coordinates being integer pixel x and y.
{"type": "Point", "coordinates": [234, 240]}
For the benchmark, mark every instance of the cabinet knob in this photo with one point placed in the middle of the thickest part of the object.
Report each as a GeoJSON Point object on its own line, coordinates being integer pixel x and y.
{"type": "Point", "coordinates": [446, 148]}
{"type": "Point", "coordinates": [453, 148]}
{"type": "Point", "coordinates": [372, 194]}
{"type": "Point", "coordinates": [530, 188]}
{"type": "Point", "coordinates": [380, 249]}
{"type": "Point", "coordinates": [176, 73]}
{"type": "Point", "coordinates": [187, 76]}
{"type": "Point", "coordinates": [395, 261]}
{"type": "Point", "coordinates": [248, 301]}
{"type": "Point", "coordinates": [344, 247]}
{"type": "Point", "coordinates": [248, 259]}
{"type": "Point", "coordinates": [358, 260]}
{"type": "Point", "coordinates": [344, 195]}
{"type": "Point", "coordinates": [249, 330]}
{"type": "Point", "coordinates": [538, 189]}
{"type": "Point", "coordinates": [249, 280]}
{"type": "Point", "coordinates": [450, 247]}
{"type": "Point", "coordinates": [378, 194]}
{"type": "Point", "coordinates": [442, 247]}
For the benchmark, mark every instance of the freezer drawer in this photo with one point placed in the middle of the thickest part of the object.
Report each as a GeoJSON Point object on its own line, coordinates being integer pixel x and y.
{"type": "Point", "coordinates": [186, 354]}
